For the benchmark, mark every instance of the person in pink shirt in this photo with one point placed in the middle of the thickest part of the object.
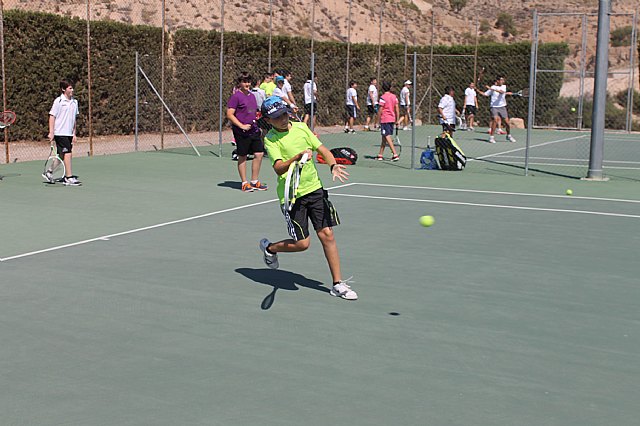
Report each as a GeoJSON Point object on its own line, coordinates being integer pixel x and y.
{"type": "Point", "coordinates": [388, 114]}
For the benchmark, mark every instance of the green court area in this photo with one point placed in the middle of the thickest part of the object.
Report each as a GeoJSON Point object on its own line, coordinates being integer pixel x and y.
{"type": "Point", "coordinates": [552, 152]}
{"type": "Point", "coordinates": [140, 298]}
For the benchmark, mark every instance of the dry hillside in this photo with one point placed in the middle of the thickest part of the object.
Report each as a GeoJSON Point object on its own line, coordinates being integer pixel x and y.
{"type": "Point", "coordinates": [294, 17]}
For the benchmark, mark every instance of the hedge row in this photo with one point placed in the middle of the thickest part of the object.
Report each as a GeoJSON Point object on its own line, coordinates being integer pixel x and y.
{"type": "Point", "coordinates": [43, 48]}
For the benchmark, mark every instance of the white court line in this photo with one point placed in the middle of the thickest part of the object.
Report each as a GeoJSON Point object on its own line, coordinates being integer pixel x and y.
{"type": "Point", "coordinates": [496, 206]}
{"type": "Point", "coordinates": [604, 167]}
{"type": "Point", "coordinates": [477, 191]}
{"type": "Point", "coordinates": [584, 160]}
{"type": "Point", "coordinates": [146, 228]}
{"type": "Point", "coordinates": [524, 148]}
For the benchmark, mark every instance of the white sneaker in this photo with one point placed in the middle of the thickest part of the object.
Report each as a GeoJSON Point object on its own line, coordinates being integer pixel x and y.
{"type": "Point", "coordinates": [510, 138]}
{"type": "Point", "coordinates": [492, 139]}
{"type": "Point", "coordinates": [71, 181]}
{"type": "Point", "coordinates": [405, 128]}
{"type": "Point", "coordinates": [48, 176]}
{"type": "Point", "coordinates": [271, 260]}
{"type": "Point", "coordinates": [343, 290]}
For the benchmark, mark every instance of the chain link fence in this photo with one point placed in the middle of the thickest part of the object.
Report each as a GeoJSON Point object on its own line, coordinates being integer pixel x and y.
{"type": "Point", "coordinates": [180, 99]}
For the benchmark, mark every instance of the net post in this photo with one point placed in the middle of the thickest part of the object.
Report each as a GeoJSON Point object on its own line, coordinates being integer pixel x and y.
{"type": "Point", "coordinates": [596, 155]}
{"type": "Point", "coordinates": [533, 67]}
{"type": "Point", "coordinates": [413, 110]}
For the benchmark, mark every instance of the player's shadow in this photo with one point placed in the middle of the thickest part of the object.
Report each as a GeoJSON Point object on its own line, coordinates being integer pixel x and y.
{"type": "Point", "coordinates": [231, 184]}
{"type": "Point", "coordinates": [279, 280]}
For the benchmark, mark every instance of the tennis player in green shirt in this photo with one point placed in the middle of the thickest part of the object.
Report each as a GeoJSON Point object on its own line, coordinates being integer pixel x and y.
{"type": "Point", "coordinates": [287, 142]}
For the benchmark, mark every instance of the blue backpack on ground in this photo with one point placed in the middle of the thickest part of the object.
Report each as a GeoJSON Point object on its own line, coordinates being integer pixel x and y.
{"type": "Point", "coordinates": [428, 159]}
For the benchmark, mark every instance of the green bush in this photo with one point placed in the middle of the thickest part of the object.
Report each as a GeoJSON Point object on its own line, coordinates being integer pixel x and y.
{"type": "Point", "coordinates": [621, 36]}
{"type": "Point", "coordinates": [36, 62]}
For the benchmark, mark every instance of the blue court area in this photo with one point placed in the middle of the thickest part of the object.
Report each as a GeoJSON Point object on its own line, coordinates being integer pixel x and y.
{"type": "Point", "coordinates": [141, 298]}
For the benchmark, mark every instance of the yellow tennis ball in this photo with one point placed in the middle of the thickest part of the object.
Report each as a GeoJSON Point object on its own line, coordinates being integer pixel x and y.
{"type": "Point", "coordinates": [569, 192]}
{"type": "Point", "coordinates": [573, 109]}
{"type": "Point", "coordinates": [426, 221]}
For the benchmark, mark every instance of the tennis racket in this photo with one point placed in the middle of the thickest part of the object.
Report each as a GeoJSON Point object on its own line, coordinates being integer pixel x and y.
{"type": "Point", "coordinates": [54, 169]}
{"type": "Point", "coordinates": [292, 181]}
{"type": "Point", "coordinates": [7, 118]}
{"type": "Point", "coordinates": [522, 93]}
{"type": "Point", "coordinates": [396, 142]}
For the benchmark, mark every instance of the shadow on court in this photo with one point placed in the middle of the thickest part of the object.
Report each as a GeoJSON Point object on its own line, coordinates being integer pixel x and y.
{"type": "Point", "coordinates": [230, 184]}
{"type": "Point", "coordinates": [279, 280]}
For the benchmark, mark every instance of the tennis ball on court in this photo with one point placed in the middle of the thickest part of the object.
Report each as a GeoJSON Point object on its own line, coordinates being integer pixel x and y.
{"type": "Point", "coordinates": [427, 221]}
{"type": "Point", "coordinates": [573, 109]}
{"type": "Point", "coordinates": [569, 192]}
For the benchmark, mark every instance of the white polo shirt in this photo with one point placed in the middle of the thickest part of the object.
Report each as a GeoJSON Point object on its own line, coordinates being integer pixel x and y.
{"type": "Point", "coordinates": [352, 95]}
{"type": "Point", "coordinates": [498, 99]}
{"type": "Point", "coordinates": [405, 99]}
{"type": "Point", "coordinates": [470, 96]}
{"type": "Point", "coordinates": [308, 94]}
{"type": "Point", "coordinates": [372, 95]}
{"type": "Point", "coordinates": [65, 111]}
{"type": "Point", "coordinates": [448, 105]}
{"type": "Point", "coordinates": [287, 87]}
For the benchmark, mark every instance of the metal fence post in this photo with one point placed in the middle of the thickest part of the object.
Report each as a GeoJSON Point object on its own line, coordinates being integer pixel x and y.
{"type": "Point", "coordinates": [220, 78]}
{"type": "Point", "coordinates": [89, 77]}
{"type": "Point", "coordinates": [4, 81]}
{"type": "Point", "coordinates": [135, 138]}
{"type": "Point", "coordinates": [313, 95]}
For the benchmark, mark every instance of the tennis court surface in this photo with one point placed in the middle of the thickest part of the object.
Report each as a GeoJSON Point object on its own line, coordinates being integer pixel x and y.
{"type": "Point", "coordinates": [141, 298]}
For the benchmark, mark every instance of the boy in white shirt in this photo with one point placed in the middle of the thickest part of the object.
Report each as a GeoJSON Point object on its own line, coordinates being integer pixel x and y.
{"type": "Point", "coordinates": [310, 97]}
{"type": "Point", "coordinates": [405, 105]}
{"type": "Point", "coordinates": [352, 107]}
{"type": "Point", "coordinates": [62, 130]}
{"type": "Point", "coordinates": [447, 111]}
{"type": "Point", "coordinates": [372, 103]}
{"type": "Point", "coordinates": [470, 104]}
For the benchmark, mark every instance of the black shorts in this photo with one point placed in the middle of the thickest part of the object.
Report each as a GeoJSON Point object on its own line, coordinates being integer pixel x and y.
{"type": "Point", "coordinates": [315, 206]}
{"type": "Point", "coordinates": [64, 144]}
{"type": "Point", "coordinates": [386, 129]}
{"type": "Point", "coordinates": [471, 109]}
{"type": "Point", "coordinates": [351, 111]}
{"type": "Point", "coordinates": [307, 109]}
{"type": "Point", "coordinates": [372, 110]}
{"type": "Point", "coordinates": [248, 142]}
{"type": "Point", "coordinates": [404, 109]}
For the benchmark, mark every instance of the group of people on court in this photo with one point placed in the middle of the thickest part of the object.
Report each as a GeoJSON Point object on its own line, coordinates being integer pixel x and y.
{"type": "Point", "coordinates": [373, 106]}
{"type": "Point", "coordinates": [496, 93]}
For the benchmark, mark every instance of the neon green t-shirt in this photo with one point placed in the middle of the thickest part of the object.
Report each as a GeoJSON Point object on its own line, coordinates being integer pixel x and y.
{"type": "Point", "coordinates": [285, 145]}
{"type": "Point", "coordinates": [268, 88]}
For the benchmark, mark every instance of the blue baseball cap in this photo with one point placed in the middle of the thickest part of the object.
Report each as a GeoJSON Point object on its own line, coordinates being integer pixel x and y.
{"type": "Point", "coordinates": [274, 107]}
{"type": "Point", "coordinates": [279, 79]}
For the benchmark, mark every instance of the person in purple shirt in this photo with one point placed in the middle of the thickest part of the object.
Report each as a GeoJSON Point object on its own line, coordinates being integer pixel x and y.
{"type": "Point", "coordinates": [241, 112]}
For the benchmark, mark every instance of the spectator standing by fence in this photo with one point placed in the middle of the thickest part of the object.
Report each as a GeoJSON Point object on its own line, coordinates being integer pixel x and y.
{"type": "Point", "coordinates": [352, 107]}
